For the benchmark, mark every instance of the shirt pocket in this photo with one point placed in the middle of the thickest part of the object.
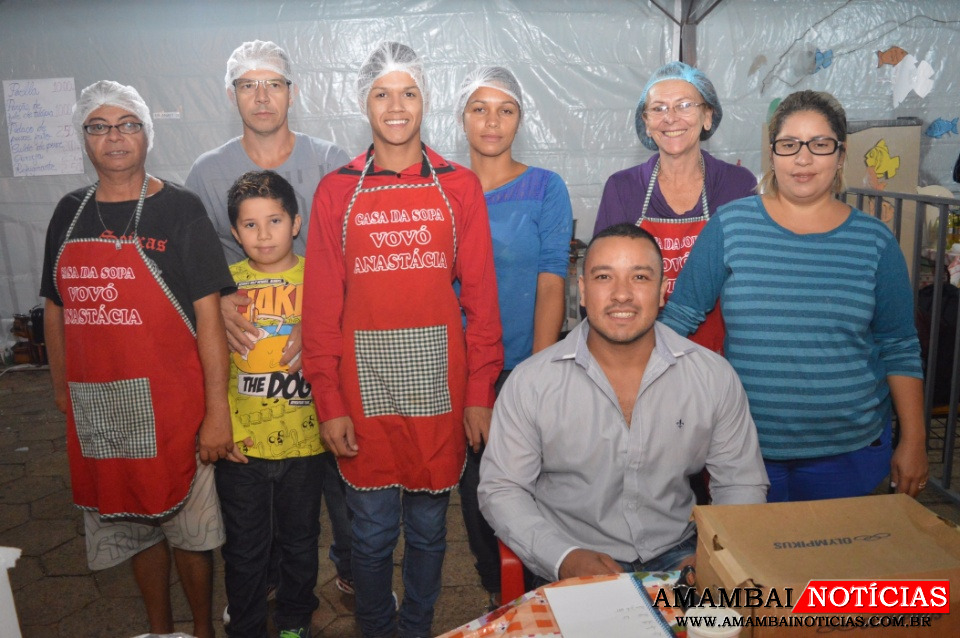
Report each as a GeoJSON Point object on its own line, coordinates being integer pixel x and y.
{"type": "Point", "coordinates": [403, 372]}
{"type": "Point", "coordinates": [115, 419]}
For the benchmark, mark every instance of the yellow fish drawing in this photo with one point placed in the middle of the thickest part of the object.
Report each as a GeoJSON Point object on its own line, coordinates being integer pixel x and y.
{"type": "Point", "coordinates": [878, 158]}
{"type": "Point", "coordinates": [891, 56]}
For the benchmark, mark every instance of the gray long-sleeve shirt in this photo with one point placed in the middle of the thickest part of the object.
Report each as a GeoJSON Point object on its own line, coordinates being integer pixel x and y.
{"type": "Point", "coordinates": [563, 470]}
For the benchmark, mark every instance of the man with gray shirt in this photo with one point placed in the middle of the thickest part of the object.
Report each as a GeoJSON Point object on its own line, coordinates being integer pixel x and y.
{"type": "Point", "coordinates": [260, 81]}
{"type": "Point", "coordinates": [593, 438]}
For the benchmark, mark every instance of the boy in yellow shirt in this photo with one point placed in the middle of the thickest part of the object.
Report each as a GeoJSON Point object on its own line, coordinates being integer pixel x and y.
{"type": "Point", "coordinates": [274, 495]}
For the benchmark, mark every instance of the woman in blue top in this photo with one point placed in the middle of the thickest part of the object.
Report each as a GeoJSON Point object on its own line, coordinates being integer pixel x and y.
{"type": "Point", "coordinates": [819, 317]}
{"type": "Point", "coordinates": [531, 223]}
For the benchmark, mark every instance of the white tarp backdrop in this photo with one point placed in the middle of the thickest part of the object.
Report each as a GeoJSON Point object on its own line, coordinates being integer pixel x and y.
{"type": "Point", "coordinates": [582, 64]}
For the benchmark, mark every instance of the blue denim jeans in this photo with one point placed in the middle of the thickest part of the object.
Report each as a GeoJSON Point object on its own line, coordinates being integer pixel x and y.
{"type": "Point", "coordinates": [376, 528]}
{"type": "Point", "coordinates": [255, 497]}
{"type": "Point", "coordinates": [480, 537]}
{"type": "Point", "coordinates": [856, 473]}
{"type": "Point", "coordinates": [334, 493]}
{"type": "Point", "coordinates": [665, 562]}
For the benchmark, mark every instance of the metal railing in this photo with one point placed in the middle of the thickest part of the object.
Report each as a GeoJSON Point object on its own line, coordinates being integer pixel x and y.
{"type": "Point", "coordinates": [890, 208]}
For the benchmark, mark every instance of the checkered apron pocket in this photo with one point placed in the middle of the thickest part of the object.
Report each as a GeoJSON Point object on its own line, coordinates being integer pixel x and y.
{"type": "Point", "coordinates": [114, 419]}
{"type": "Point", "coordinates": [403, 372]}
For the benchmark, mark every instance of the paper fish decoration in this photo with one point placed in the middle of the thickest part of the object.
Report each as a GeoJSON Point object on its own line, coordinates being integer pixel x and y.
{"type": "Point", "coordinates": [891, 56]}
{"type": "Point", "coordinates": [774, 103]}
{"type": "Point", "coordinates": [911, 75]}
{"type": "Point", "coordinates": [824, 59]}
{"type": "Point", "coordinates": [941, 127]}
{"type": "Point", "coordinates": [878, 158]}
{"type": "Point", "coordinates": [758, 62]}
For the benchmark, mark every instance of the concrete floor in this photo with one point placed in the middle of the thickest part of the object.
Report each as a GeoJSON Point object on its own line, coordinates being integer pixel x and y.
{"type": "Point", "coordinates": [58, 597]}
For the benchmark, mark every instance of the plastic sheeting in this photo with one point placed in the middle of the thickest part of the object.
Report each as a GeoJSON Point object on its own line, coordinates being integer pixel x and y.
{"type": "Point", "coordinates": [582, 64]}
{"type": "Point", "coordinates": [755, 52]}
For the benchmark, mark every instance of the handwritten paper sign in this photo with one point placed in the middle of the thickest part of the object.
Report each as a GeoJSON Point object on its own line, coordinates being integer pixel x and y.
{"type": "Point", "coordinates": [42, 138]}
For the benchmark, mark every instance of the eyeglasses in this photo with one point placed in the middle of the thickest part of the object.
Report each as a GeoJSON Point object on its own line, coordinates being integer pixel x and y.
{"type": "Point", "coordinates": [681, 109]}
{"type": "Point", "coordinates": [818, 146]}
{"type": "Point", "coordinates": [127, 128]}
{"type": "Point", "coordinates": [249, 87]}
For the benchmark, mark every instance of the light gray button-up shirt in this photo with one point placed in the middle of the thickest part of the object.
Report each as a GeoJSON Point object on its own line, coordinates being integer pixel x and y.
{"type": "Point", "coordinates": [562, 470]}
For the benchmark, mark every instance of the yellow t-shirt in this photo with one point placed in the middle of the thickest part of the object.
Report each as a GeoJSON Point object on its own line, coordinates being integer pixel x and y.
{"type": "Point", "coordinates": [267, 403]}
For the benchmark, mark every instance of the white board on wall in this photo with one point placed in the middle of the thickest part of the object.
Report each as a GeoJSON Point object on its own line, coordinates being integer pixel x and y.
{"type": "Point", "coordinates": [40, 128]}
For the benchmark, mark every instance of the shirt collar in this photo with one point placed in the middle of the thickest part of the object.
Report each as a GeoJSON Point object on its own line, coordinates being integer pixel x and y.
{"type": "Point", "coordinates": [668, 347]}
{"type": "Point", "coordinates": [421, 169]}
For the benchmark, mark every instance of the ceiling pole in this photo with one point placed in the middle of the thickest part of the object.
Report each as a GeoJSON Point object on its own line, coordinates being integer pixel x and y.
{"type": "Point", "coordinates": [688, 34]}
{"type": "Point", "coordinates": [688, 44]}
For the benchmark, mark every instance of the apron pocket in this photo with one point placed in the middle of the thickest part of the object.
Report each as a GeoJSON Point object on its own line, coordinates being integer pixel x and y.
{"type": "Point", "coordinates": [403, 371]}
{"type": "Point", "coordinates": [114, 419]}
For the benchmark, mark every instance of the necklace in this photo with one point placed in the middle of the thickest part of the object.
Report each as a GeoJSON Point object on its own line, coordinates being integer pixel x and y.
{"type": "Point", "coordinates": [649, 193]}
{"type": "Point", "coordinates": [134, 215]}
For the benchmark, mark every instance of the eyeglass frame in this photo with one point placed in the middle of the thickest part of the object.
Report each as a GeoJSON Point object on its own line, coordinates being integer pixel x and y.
{"type": "Point", "coordinates": [801, 143]}
{"type": "Point", "coordinates": [258, 83]}
{"type": "Point", "coordinates": [653, 112]}
{"type": "Point", "coordinates": [86, 128]}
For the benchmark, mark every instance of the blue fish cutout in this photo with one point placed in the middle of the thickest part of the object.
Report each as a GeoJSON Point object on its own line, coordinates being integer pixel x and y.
{"type": "Point", "coordinates": [824, 59]}
{"type": "Point", "coordinates": [941, 127]}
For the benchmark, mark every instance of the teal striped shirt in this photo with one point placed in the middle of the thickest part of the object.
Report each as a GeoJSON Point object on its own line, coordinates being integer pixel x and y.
{"type": "Point", "coordinates": [815, 323]}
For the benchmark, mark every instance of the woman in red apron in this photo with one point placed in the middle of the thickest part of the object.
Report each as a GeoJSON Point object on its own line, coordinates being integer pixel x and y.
{"type": "Point", "coordinates": [131, 446]}
{"type": "Point", "coordinates": [128, 266]}
{"type": "Point", "coordinates": [673, 194]}
{"type": "Point", "coordinates": [396, 377]}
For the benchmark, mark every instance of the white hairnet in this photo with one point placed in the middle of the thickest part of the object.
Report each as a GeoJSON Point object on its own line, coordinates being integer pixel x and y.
{"type": "Point", "coordinates": [108, 92]}
{"type": "Point", "coordinates": [250, 56]}
{"type": "Point", "coordinates": [387, 58]}
{"type": "Point", "coordinates": [494, 77]}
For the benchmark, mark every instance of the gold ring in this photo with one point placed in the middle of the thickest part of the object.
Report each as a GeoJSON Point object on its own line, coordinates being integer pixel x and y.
{"type": "Point", "coordinates": [922, 485]}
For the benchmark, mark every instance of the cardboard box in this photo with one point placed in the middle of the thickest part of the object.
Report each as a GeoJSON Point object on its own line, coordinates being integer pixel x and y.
{"type": "Point", "coordinates": [785, 545]}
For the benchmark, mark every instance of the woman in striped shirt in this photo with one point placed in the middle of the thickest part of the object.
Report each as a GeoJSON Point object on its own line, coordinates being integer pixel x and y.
{"type": "Point", "coordinates": [819, 317]}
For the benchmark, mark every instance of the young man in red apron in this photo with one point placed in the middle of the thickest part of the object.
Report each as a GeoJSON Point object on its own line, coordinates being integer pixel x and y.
{"type": "Point", "coordinates": [132, 277]}
{"type": "Point", "coordinates": [400, 385]}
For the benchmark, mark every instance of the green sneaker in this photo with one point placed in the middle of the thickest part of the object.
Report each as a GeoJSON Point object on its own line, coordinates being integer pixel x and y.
{"type": "Point", "coordinates": [302, 632]}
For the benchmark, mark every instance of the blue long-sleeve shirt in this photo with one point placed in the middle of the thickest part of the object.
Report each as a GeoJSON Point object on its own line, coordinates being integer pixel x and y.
{"type": "Point", "coordinates": [815, 323]}
{"type": "Point", "coordinates": [531, 223]}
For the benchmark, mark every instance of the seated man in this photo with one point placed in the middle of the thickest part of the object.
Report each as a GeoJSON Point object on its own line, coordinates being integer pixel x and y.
{"type": "Point", "coordinates": [592, 440]}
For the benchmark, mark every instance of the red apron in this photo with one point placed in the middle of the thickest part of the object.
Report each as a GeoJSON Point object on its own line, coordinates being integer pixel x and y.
{"type": "Point", "coordinates": [403, 369]}
{"type": "Point", "coordinates": [133, 413]}
{"type": "Point", "coordinates": [675, 238]}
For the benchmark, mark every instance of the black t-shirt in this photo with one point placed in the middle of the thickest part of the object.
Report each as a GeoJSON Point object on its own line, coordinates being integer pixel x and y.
{"type": "Point", "coordinates": [174, 232]}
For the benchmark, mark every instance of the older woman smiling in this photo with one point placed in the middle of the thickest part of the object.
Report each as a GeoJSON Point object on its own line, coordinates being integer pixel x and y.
{"type": "Point", "coordinates": [674, 193]}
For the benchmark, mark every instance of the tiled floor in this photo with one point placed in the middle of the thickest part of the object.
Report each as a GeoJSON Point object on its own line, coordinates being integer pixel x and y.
{"type": "Point", "coordinates": [58, 597]}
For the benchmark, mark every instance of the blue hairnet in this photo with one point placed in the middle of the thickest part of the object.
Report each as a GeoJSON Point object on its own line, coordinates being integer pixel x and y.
{"type": "Point", "coordinates": [386, 58]}
{"type": "Point", "coordinates": [687, 73]}
{"type": "Point", "coordinates": [110, 93]}
{"type": "Point", "coordinates": [494, 77]}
